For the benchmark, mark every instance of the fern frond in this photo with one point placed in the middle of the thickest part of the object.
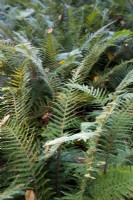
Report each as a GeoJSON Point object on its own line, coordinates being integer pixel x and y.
{"type": "Point", "coordinates": [125, 83]}
{"type": "Point", "coordinates": [94, 37]}
{"type": "Point", "coordinates": [11, 192]}
{"type": "Point", "coordinates": [72, 33]}
{"type": "Point", "coordinates": [92, 19]}
{"type": "Point", "coordinates": [17, 140]}
{"type": "Point", "coordinates": [43, 190]}
{"type": "Point", "coordinates": [116, 185]}
{"type": "Point", "coordinates": [96, 52]}
{"type": "Point", "coordinates": [51, 49]}
{"type": "Point", "coordinates": [12, 104]}
{"type": "Point", "coordinates": [26, 54]}
{"type": "Point", "coordinates": [114, 76]}
{"type": "Point", "coordinates": [97, 94]}
{"type": "Point", "coordinates": [116, 132]}
{"type": "Point", "coordinates": [5, 30]}
{"type": "Point", "coordinates": [63, 111]}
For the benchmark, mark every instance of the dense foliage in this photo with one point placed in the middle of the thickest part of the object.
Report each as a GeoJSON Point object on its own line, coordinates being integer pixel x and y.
{"type": "Point", "coordinates": [66, 99]}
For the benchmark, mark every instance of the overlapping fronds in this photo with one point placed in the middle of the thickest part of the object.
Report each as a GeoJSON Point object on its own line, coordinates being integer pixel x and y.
{"type": "Point", "coordinates": [18, 141]}
{"type": "Point", "coordinates": [66, 104]}
{"type": "Point", "coordinates": [26, 54]}
{"type": "Point", "coordinates": [11, 192]}
{"type": "Point", "coordinates": [116, 134]}
{"type": "Point", "coordinates": [96, 51]}
{"type": "Point", "coordinates": [116, 184]}
{"type": "Point", "coordinates": [16, 95]}
{"type": "Point", "coordinates": [114, 76]}
{"type": "Point", "coordinates": [126, 84]}
{"type": "Point", "coordinates": [63, 111]}
{"type": "Point", "coordinates": [97, 95]}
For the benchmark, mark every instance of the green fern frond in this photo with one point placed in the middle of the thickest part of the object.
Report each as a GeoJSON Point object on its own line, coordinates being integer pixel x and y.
{"type": "Point", "coordinates": [17, 140]}
{"type": "Point", "coordinates": [5, 30]}
{"type": "Point", "coordinates": [72, 33]}
{"type": "Point", "coordinates": [16, 104]}
{"type": "Point", "coordinates": [114, 76]}
{"type": "Point", "coordinates": [28, 55]}
{"type": "Point", "coordinates": [11, 192]}
{"type": "Point", "coordinates": [63, 111]}
{"type": "Point", "coordinates": [43, 190]}
{"type": "Point", "coordinates": [116, 185]}
{"type": "Point", "coordinates": [121, 35]}
{"type": "Point", "coordinates": [92, 20]}
{"type": "Point", "coordinates": [96, 36]}
{"type": "Point", "coordinates": [97, 94]}
{"type": "Point", "coordinates": [51, 49]}
{"type": "Point", "coordinates": [96, 52]}
{"type": "Point", "coordinates": [125, 83]}
{"type": "Point", "coordinates": [116, 132]}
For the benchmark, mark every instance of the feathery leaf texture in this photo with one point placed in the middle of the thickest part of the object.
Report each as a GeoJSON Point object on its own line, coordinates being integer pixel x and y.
{"type": "Point", "coordinates": [66, 99]}
{"type": "Point", "coordinates": [116, 184]}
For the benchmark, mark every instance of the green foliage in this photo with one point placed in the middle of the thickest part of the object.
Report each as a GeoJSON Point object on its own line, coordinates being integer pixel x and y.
{"type": "Point", "coordinates": [66, 99]}
{"type": "Point", "coordinates": [11, 192]}
{"type": "Point", "coordinates": [116, 184]}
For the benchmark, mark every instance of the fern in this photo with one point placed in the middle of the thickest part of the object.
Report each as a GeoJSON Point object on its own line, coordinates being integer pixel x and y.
{"type": "Point", "coordinates": [97, 50]}
{"type": "Point", "coordinates": [65, 106]}
{"type": "Point", "coordinates": [116, 184]}
{"type": "Point", "coordinates": [98, 95]}
{"type": "Point", "coordinates": [113, 77]}
{"type": "Point", "coordinates": [18, 137]}
{"type": "Point", "coordinates": [66, 99]}
{"type": "Point", "coordinates": [21, 158]}
{"type": "Point", "coordinates": [126, 82]}
{"type": "Point", "coordinates": [11, 192]}
{"type": "Point", "coordinates": [115, 133]}
{"type": "Point", "coordinates": [18, 141]}
{"type": "Point", "coordinates": [51, 50]}
{"type": "Point", "coordinates": [92, 20]}
{"type": "Point", "coordinates": [29, 54]}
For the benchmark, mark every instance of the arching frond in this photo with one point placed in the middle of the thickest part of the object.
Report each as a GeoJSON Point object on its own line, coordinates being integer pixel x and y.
{"type": "Point", "coordinates": [116, 133]}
